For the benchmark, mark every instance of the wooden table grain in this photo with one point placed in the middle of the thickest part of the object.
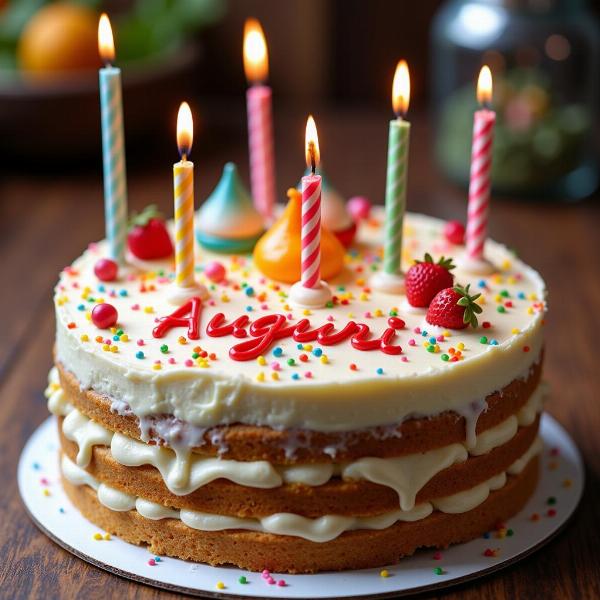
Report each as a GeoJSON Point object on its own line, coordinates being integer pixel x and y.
{"type": "Point", "coordinates": [46, 221]}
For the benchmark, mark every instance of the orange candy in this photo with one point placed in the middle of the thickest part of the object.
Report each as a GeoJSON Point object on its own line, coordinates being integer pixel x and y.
{"type": "Point", "coordinates": [277, 252]}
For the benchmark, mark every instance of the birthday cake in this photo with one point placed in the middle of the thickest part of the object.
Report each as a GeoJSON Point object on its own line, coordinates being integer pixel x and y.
{"type": "Point", "coordinates": [239, 429]}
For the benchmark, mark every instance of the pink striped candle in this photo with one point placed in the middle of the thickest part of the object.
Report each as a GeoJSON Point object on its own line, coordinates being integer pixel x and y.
{"type": "Point", "coordinates": [481, 165]}
{"type": "Point", "coordinates": [310, 291]}
{"type": "Point", "coordinates": [260, 120]}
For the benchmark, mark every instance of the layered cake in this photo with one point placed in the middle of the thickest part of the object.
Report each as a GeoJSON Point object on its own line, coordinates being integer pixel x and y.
{"type": "Point", "coordinates": [239, 429]}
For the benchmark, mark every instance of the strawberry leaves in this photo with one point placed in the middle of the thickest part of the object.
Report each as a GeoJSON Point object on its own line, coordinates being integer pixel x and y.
{"type": "Point", "coordinates": [467, 301]}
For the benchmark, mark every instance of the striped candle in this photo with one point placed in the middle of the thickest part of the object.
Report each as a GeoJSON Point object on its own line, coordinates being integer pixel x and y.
{"type": "Point", "coordinates": [113, 145]}
{"type": "Point", "coordinates": [183, 187]}
{"type": "Point", "coordinates": [395, 188]}
{"type": "Point", "coordinates": [481, 166]}
{"type": "Point", "coordinates": [310, 291]}
{"type": "Point", "coordinates": [311, 232]}
{"type": "Point", "coordinates": [260, 120]}
{"type": "Point", "coordinates": [395, 194]}
{"type": "Point", "coordinates": [260, 145]}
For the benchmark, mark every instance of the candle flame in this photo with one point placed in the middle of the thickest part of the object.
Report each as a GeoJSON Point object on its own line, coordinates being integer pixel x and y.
{"type": "Point", "coordinates": [185, 130]}
{"type": "Point", "coordinates": [256, 56]}
{"type": "Point", "coordinates": [401, 89]}
{"type": "Point", "coordinates": [313, 155]}
{"type": "Point", "coordinates": [484, 86]}
{"type": "Point", "coordinates": [106, 44]}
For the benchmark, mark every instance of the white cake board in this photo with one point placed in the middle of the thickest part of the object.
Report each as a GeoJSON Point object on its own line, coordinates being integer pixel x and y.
{"type": "Point", "coordinates": [562, 479]}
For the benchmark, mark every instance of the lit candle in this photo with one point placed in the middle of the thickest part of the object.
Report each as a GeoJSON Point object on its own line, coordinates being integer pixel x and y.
{"type": "Point", "coordinates": [185, 286]}
{"type": "Point", "coordinates": [113, 144]}
{"type": "Point", "coordinates": [480, 180]}
{"type": "Point", "coordinates": [310, 291]}
{"type": "Point", "coordinates": [391, 278]}
{"type": "Point", "coordinates": [260, 120]}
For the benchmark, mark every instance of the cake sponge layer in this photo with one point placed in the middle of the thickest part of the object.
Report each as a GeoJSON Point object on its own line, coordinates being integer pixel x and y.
{"type": "Point", "coordinates": [357, 549]}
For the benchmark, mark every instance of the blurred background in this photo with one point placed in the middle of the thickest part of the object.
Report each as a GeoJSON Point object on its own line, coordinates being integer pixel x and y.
{"type": "Point", "coordinates": [334, 58]}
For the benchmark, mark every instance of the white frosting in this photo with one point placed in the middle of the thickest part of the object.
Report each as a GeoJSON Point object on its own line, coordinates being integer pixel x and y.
{"type": "Point", "coordinates": [496, 436]}
{"type": "Point", "coordinates": [474, 266]}
{"type": "Point", "coordinates": [184, 472]}
{"type": "Point", "coordinates": [86, 434]}
{"type": "Point", "coordinates": [178, 295]}
{"type": "Point", "coordinates": [407, 474]}
{"type": "Point", "coordinates": [57, 399]}
{"type": "Point", "coordinates": [519, 465]}
{"type": "Point", "coordinates": [469, 499]}
{"type": "Point", "coordinates": [334, 398]}
{"type": "Point", "coordinates": [304, 297]}
{"type": "Point", "coordinates": [389, 283]}
{"type": "Point", "coordinates": [115, 499]}
{"type": "Point", "coordinates": [322, 529]}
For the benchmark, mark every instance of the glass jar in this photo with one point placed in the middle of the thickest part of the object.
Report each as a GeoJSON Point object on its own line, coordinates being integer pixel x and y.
{"type": "Point", "coordinates": [545, 60]}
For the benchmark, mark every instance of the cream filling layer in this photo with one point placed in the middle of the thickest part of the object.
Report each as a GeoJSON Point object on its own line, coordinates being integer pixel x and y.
{"type": "Point", "coordinates": [333, 399]}
{"type": "Point", "coordinates": [184, 472]}
{"type": "Point", "coordinates": [322, 529]}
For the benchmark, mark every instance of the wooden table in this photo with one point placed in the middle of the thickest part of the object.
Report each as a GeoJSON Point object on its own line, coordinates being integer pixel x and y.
{"type": "Point", "coordinates": [46, 221]}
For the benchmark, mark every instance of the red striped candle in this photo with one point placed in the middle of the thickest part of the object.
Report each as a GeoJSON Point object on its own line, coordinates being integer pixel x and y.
{"type": "Point", "coordinates": [311, 231]}
{"type": "Point", "coordinates": [481, 165]}
{"type": "Point", "coordinates": [310, 291]}
{"type": "Point", "coordinates": [260, 120]}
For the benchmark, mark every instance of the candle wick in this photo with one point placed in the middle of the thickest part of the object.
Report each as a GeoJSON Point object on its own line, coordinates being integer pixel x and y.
{"type": "Point", "coordinates": [183, 157]}
{"type": "Point", "coordinates": [311, 151]}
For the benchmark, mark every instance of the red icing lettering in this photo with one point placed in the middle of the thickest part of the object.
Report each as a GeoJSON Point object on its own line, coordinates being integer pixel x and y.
{"type": "Point", "coordinates": [215, 327]}
{"type": "Point", "coordinates": [178, 318]}
{"type": "Point", "coordinates": [264, 332]}
{"type": "Point", "coordinates": [360, 342]}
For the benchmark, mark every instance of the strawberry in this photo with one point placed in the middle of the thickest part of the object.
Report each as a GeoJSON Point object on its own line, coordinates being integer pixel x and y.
{"type": "Point", "coordinates": [426, 278]}
{"type": "Point", "coordinates": [454, 308]}
{"type": "Point", "coordinates": [148, 237]}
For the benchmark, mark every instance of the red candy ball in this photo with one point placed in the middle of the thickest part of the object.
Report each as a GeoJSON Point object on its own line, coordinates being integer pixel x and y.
{"type": "Point", "coordinates": [215, 271]}
{"type": "Point", "coordinates": [106, 269]}
{"type": "Point", "coordinates": [104, 315]}
{"type": "Point", "coordinates": [455, 232]}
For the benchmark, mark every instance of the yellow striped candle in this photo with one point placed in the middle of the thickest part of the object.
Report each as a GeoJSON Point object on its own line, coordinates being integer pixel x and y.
{"type": "Point", "coordinates": [183, 184]}
{"type": "Point", "coordinates": [183, 187]}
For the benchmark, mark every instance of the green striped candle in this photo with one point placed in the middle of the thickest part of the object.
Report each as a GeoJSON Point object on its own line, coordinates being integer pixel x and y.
{"type": "Point", "coordinates": [395, 194]}
{"type": "Point", "coordinates": [391, 278]}
{"type": "Point", "coordinates": [113, 145]}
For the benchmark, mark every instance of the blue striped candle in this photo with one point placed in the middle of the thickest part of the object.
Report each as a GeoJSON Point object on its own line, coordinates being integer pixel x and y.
{"type": "Point", "coordinates": [113, 146]}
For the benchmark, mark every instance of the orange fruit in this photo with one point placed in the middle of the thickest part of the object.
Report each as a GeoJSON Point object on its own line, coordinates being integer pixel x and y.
{"type": "Point", "coordinates": [59, 38]}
